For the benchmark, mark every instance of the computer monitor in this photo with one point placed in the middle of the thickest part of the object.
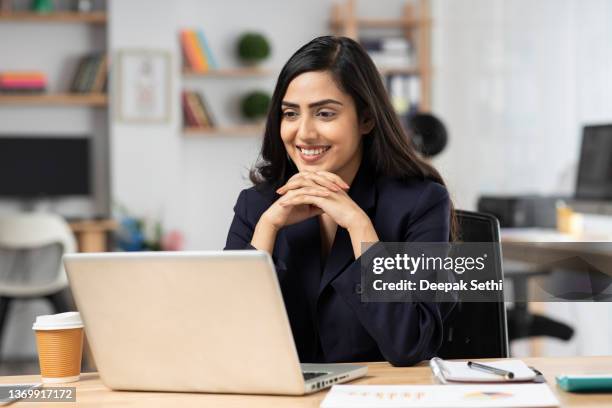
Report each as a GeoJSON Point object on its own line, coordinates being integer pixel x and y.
{"type": "Point", "coordinates": [37, 167]}
{"type": "Point", "coordinates": [594, 181]}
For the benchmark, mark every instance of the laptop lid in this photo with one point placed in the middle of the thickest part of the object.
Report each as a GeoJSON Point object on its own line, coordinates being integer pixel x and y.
{"type": "Point", "coordinates": [594, 181]}
{"type": "Point", "coordinates": [190, 321]}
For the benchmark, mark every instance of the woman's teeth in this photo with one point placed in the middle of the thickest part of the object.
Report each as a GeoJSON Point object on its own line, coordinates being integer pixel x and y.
{"type": "Point", "coordinates": [313, 152]}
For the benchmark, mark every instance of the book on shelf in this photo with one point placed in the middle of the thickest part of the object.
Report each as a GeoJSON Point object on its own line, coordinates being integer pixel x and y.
{"type": "Point", "coordinates": [390, 52]}
{"type": "Point", "coordinates": [91, 74]}
{"type": "Point", "coordinates": [22, 82]}
{"type": "Point", "coordinates": [404, 92]}
{"type": "Point", "coordinates": [197, 54]}
{"type": "Point", "coordinates": [195, 111]}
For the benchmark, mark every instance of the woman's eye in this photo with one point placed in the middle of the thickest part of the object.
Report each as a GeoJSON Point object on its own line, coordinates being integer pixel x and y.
{"type": "Point", "coordinates": [289, 114]}
{"type": "Point", "coordinates": [326, 114]}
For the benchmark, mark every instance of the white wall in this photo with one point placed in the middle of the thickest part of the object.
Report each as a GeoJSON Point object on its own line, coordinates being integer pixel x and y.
{"type": "Point", "coordinates": [515, 82]}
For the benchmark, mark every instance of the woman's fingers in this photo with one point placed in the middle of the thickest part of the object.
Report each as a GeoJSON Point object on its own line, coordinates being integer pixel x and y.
{"type": "Point", "coordinates": [312, 191]}
{"type": "Point", "coordinates": [303, 198]}
{"type": "Point", "coordinates": [335, 178]}
{"type": "Point", "coordinates": [308, 181]}
{"type": "Point", "coordinates": [328, 180]}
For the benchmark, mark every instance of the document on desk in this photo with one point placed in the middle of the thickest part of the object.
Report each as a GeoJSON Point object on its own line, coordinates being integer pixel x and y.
{"type": "Point", "coordinates": [440, 396]}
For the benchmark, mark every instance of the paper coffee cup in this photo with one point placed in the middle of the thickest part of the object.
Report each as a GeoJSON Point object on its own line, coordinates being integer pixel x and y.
{"type": "Point", "coordinates": [59, 339]}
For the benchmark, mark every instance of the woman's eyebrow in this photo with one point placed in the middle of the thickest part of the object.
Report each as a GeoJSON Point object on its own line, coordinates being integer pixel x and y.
{"type": "Point", "coordinates": [312, 105]}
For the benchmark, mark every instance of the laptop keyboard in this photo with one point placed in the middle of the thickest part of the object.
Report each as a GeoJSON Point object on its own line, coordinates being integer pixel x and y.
{"type": "Point", "coordinates": [311, 375]}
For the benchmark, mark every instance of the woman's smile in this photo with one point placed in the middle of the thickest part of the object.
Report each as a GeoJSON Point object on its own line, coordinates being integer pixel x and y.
{"type": "Point", "coordinates": [312, 153]}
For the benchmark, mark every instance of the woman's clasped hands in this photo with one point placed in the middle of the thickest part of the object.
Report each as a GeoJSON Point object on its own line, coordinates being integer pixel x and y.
{"type": "Point", "coordinates": [311, 193]}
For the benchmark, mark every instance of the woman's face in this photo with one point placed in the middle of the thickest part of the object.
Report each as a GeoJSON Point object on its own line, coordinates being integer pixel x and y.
{"type": "Point", "coordinates": [319, 127]}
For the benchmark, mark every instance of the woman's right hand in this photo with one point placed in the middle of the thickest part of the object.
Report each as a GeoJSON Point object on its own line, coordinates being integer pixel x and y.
{"type": "Point", "coordinates": [278, 216]}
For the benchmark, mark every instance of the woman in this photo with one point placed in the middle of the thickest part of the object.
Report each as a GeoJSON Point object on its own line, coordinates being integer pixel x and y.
{"type": "Point", "coordinates": [336, 171]}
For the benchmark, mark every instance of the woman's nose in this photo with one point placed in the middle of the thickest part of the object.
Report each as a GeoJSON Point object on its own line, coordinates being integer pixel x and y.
{"type": "Point", "coordinates": [306, 129]}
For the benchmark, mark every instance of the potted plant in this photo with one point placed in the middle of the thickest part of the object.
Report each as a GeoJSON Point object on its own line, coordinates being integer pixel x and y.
{"type": "Point", "coordinates": [253, 48]}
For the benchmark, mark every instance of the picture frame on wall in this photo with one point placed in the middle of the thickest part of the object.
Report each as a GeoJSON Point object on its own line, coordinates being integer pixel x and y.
{"type": "Point", "coordinates": [143, 86]}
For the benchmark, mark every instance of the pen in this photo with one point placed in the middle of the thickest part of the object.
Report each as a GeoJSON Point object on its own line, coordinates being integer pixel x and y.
{"type": "Point", "coordinates": [508, 375]}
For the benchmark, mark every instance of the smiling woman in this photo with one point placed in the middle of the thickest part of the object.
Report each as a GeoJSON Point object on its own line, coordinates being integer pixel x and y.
{"type": "Point", "coordinates": [337, 172]}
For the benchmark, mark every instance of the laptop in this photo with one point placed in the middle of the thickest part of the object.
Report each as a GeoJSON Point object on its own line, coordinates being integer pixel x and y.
{"type": "Point", "coordinates": [210, 321]}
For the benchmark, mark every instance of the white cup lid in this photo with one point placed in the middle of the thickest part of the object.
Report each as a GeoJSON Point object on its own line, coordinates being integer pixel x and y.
{"type": "Point", "coordinates": [68, 320]}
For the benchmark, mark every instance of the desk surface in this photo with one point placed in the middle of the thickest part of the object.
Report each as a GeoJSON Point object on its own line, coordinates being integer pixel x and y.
{"type": "Point", "coordinates": [548, 235]}
{"type": "Point", "coordinates": [92, 393]}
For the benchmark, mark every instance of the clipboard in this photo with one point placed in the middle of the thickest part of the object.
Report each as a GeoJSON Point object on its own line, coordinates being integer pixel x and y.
{"type": "Point", "coordinates": [459, 372]}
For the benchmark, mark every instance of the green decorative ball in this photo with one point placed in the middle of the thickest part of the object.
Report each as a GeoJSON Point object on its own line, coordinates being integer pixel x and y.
{"type": "Point", "coordinates": [253, 47]}
{"type": "Point", "coordinates": [255, 105]}
{"type": "Point", "coordinates": [42, 6]}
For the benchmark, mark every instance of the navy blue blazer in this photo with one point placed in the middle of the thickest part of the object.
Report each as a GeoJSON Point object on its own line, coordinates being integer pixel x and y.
{"type": "Point", "coordinates": [323, 301]}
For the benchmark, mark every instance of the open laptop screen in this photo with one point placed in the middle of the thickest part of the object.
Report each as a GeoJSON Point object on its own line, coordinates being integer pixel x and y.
{"type": "Point", "coordinates": [594, 180]}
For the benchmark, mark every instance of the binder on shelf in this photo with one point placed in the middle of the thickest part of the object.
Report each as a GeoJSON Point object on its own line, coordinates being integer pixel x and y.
{"type": "Point", "coordinates": [205, 110]}
{"type": "Point", "coordinates": [195, 112]}
{"type": "Point", "coordinates": [212, 62]}
{"type": "Point", "coordinates": [195, 58]}
{"type": "Point", "coordinates": [390, 52]}
{"type": "Point", "coordinates": [189, 117]}
{"type": "Point", "coordinates": [90, 75]}
{"type": "Point", "coordinates": [196, 51]}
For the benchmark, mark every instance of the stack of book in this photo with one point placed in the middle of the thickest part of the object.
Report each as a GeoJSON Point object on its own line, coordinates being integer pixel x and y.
{"type": "Point", "coordinates": [197, 55]}
{"type": "Point", "coordinates": [195, 111]}
{"type": "Point", "coordinates": [22, 82]}
{"type": "Point", "coordinates": [390, 52]}
{"type": "Point", "coordinates": [91, 74]}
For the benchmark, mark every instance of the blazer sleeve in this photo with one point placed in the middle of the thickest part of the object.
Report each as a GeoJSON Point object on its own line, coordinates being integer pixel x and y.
{"type": "Point", "coordinates": [241, 231]}
{"type": "Point", "coordinates": [409, 332]}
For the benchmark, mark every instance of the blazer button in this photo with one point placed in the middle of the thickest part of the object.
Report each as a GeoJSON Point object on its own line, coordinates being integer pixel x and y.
{"type": "Point", "coordinates": [358, 289]}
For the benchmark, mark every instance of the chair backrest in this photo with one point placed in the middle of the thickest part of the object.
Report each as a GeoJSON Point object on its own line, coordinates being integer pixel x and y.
{"type": "Point", "coordinates": [32, 231]}
{"type": "Point", "coordinates": [477, 330]}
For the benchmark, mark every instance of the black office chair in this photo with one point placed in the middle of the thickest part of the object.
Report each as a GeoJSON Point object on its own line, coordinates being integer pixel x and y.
{"type": "Point", "coordinates": [477, 330]}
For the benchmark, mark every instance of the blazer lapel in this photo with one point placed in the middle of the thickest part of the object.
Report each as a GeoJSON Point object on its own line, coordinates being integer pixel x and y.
{"type": "Point", "coordinates": [305, 240]}
{"type": "Point", "coordinates": [363, 192]}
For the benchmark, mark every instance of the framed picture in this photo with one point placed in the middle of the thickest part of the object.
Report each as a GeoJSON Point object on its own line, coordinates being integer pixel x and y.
{"type": "Point", "coordinates": [143, 86]}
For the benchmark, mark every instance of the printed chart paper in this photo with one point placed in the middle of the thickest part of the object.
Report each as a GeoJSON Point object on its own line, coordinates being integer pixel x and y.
{"type": "Point", "coordinates": [441, 396]}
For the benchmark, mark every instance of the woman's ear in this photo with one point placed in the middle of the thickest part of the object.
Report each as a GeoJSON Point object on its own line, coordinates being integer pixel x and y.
{"type": "Point", "coordinates": [366, 123]}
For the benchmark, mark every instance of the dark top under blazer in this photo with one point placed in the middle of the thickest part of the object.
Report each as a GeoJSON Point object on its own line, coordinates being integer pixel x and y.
{"type": "Point", "coordinates": [328, 319]}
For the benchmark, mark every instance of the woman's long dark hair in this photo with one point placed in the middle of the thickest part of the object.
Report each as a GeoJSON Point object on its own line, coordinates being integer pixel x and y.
{"type": "Point", "coordinates": [387, 146]}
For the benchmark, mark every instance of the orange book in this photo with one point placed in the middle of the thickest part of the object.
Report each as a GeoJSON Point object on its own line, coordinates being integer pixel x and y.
{"type": "Point", "coordinates": [22, 76]}
{"type": "Point", "coordinates": [195, 60]}
{"type": "Point", "coordinates": [199, 48]}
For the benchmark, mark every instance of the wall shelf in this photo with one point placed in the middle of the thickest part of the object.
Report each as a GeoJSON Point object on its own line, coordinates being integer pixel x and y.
{"type": "Point", "coordinates": [399, 71]}
{"type": "Point", "coordinates": [94, 17]}
{"type": "Point", "coordinates": [382, 23]}
{"type": "Point", "coordinates": [236, 130]}
{"type": "Point", "coordinates": [229, 72]}
{"type": "Point", "coordinates": [55, 99]}
{"type": "Point", "coordinates": [414, 24]}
